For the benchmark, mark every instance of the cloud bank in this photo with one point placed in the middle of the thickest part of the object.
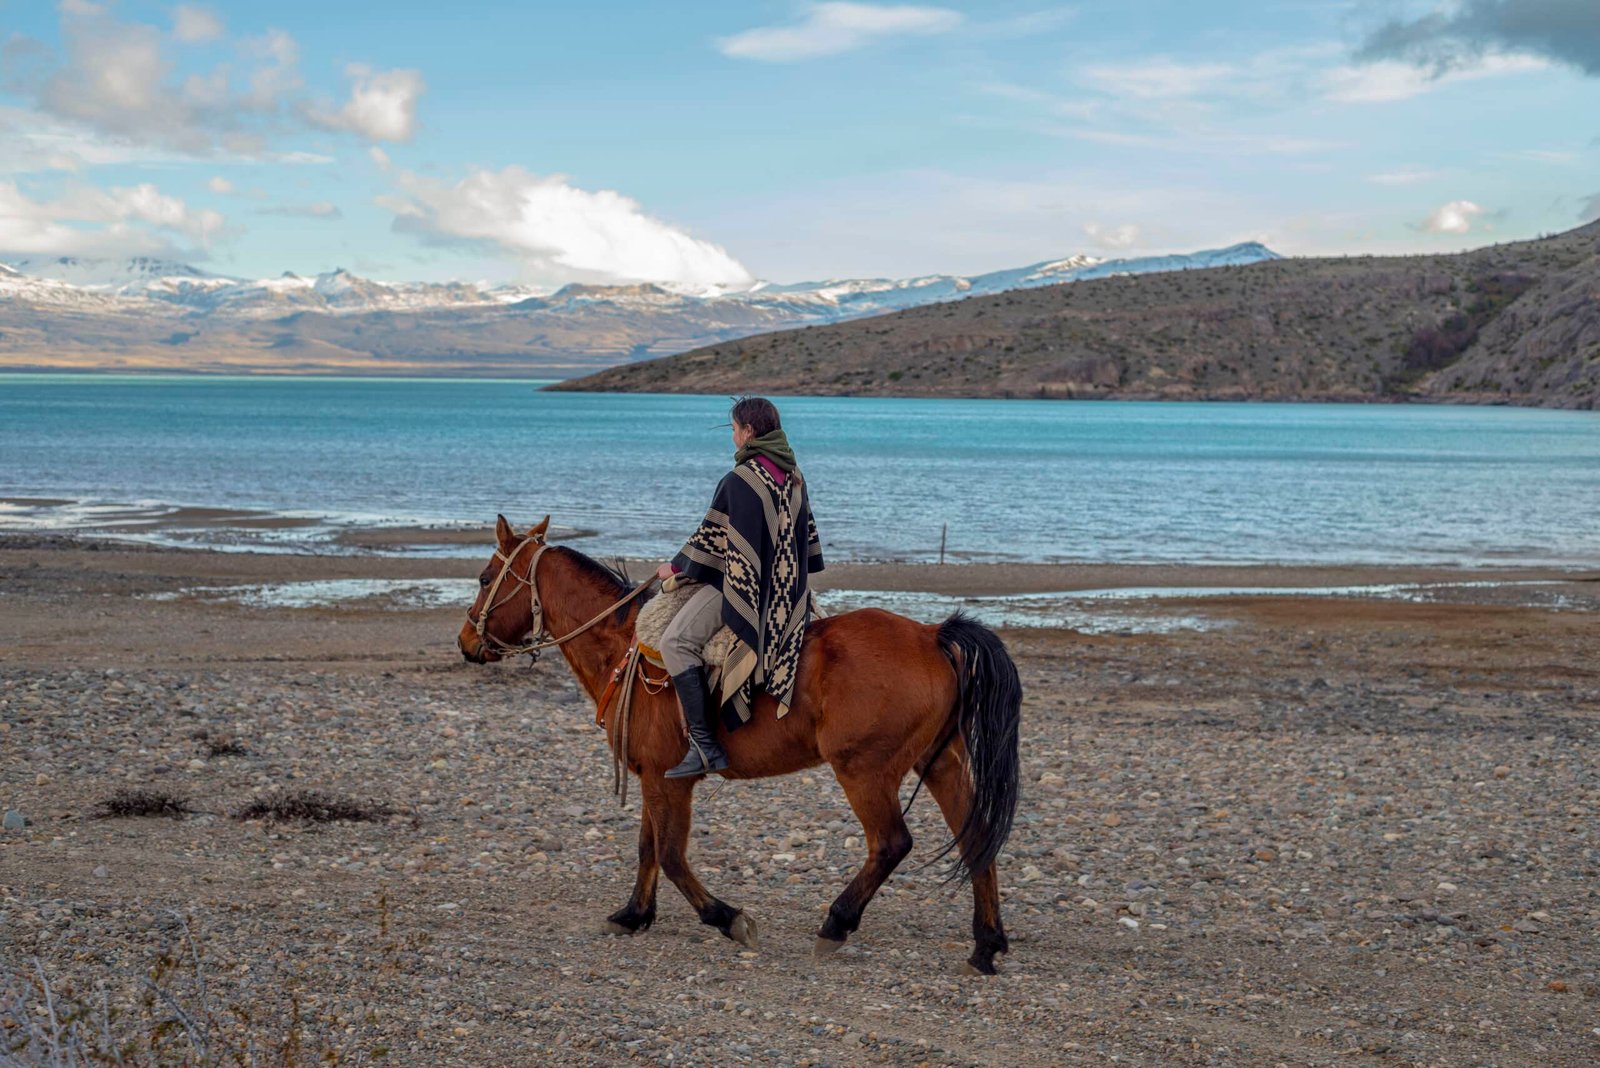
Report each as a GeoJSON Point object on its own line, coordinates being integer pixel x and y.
{"type": "Point", "coordinates": [1464, 33]}
{"type": "Point", "coordinates": [559, 231]}
{"type": "Point", "coordinates": [121, 81]}
{"type": "Point", "coordinates": [123, 221]}
{"type": "Point", "coordinates": [831, 28]}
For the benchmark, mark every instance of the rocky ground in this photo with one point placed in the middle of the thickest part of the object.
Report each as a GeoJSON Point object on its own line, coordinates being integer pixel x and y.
{"type": "Point", "coordinates": [1335, 832]}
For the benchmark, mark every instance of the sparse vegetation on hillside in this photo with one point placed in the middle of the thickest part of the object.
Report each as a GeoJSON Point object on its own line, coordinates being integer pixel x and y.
{"type": "Point", "coordinates": [1509, 323]}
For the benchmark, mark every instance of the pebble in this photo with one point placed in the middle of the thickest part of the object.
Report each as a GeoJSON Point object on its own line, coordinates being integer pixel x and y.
{"type": "Point", "coordinates": [13, 820]}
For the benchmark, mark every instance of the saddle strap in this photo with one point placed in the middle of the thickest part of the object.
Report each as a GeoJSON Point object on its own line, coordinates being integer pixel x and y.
{"type": "Point", "coordinates": [628, 671]}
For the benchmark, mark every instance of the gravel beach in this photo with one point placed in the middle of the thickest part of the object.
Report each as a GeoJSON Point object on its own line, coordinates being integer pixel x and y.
{"type": "Point", "coordinates": [1331, 831]}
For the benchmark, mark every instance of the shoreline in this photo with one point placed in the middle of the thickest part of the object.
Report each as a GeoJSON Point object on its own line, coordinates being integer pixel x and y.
{"type": "Point", "coordinates": [957, 579]}
{"type": "Point", "coordinates": [162, 526]}
{"type": "Point", "coordinates": [545, 383]}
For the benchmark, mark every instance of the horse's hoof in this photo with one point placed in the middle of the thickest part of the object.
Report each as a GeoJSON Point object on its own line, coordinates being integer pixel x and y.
{"type": "Point", "coordinates": [743, 931]}
{"type": "Point", "coordinates": [612, 927]}
{"type": "Point", "coordinates": [969, 968]}
{"type": "Point", "coordinates": [825, 948]}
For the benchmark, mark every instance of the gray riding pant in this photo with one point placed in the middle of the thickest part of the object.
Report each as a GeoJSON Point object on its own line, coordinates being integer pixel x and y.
{"type": "Point", "coordinates": [683, 643]}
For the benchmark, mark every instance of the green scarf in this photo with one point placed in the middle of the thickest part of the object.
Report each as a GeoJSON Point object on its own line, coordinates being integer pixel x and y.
{"type": "Point", "coordinates": [774, 445]}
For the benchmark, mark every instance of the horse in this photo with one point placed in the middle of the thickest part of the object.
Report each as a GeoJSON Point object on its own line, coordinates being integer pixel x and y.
{"type": "Point", "coordinates": [877, 696]}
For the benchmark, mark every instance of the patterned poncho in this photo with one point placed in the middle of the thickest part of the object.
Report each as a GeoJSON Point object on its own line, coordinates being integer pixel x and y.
{"type": "Point", "coordinates": [757, 544]}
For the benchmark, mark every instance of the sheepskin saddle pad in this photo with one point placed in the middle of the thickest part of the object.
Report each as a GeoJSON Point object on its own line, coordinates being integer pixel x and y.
{"type": "Point", "coordinates": [652, 624]}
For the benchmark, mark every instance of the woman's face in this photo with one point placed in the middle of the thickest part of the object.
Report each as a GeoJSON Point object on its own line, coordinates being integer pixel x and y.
{"type": "Point", "coordinates": [741, 434]}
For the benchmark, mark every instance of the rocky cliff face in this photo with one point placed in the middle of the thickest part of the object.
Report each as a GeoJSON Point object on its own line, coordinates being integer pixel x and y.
{"type": "Point", "coordinates": [1516, 323]}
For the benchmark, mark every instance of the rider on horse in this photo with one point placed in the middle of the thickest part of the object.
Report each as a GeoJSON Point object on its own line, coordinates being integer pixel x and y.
{"type": "Point", "coordinates": [751, 558]}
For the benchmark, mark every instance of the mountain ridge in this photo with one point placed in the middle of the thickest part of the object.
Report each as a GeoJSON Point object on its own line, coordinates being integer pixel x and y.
{"type": "Point", "coordinates": [1517, 323]}
{"type": "Point", "coordinates": [148, 314]}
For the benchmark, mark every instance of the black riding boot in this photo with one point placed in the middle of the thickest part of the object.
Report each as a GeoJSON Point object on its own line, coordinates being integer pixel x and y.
{"type": "Point", "coordinates": [704, 753]}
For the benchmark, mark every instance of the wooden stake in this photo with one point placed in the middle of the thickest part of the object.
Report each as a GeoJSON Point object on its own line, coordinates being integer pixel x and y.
{"type": "Point", "coordinates": [944, 529]}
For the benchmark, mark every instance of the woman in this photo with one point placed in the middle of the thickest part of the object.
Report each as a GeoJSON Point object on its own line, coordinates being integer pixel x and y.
{"type": "Point", "coordinates": [751, 558]}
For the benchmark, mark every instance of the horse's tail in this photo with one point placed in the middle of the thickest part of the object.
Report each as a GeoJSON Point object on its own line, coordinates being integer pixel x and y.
{"type": "Point", "coordinates": [987, 713]}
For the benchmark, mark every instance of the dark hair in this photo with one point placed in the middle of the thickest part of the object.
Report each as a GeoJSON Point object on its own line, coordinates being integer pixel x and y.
{"type": "Point", "coordinates": [757, 413]}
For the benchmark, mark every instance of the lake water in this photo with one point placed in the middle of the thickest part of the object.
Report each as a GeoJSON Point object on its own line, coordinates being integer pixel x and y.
{"type": "Point", "coordinates": [1014, 480]}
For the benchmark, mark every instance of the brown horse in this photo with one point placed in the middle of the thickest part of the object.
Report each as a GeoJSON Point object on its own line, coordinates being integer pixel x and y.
{"type": "Point", "coordinates": [878, 695]}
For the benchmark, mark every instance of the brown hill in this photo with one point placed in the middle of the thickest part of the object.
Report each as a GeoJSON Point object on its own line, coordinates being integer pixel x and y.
{"type": "Point", "coordinates": [1516, 323]}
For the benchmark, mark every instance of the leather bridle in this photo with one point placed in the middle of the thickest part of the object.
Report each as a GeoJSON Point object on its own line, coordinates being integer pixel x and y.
{"type": "Point", "coordinates": [537, 639]}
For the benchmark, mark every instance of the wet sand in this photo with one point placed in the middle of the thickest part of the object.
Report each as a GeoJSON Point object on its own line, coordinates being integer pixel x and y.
{"type": "Point", "coordinates": [1336, 830]}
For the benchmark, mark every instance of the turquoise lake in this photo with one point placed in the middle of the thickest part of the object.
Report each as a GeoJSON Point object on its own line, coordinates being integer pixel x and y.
{"type": "Point", "coordinates": [1014, 480]}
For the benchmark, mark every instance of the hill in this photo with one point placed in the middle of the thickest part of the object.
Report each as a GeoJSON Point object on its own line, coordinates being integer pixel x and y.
{"type": "Point", "coordinates": [1516, 323]}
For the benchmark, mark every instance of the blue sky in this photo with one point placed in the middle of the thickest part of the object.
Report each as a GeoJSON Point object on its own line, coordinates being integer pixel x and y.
{"type": "Point", "coordinates": [711, 143]}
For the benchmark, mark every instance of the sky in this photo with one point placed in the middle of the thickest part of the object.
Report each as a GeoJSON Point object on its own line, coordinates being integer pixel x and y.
{"type": "Point", "coordinates": [710, 144]}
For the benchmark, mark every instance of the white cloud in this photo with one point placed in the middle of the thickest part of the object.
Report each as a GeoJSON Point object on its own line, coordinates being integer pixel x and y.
{"type": "Point", "coordinates": [193, 24]}
{"type": "Point", "coordinates": [1160, 79]}
{"type": "Point", "coordinates": [1590, 210]}
{"type": "Point", "coordinates": [118, 79]}
{"type": "Point", "coordinates": [90, 221]}
{"type": "Point", "coordinates": [560, 232]}
{"type": "Point", "coordinates": [1544, 155]}
{"type": "Point", "coordinates": [1200, 140]}
{"type": "Point", "coordinates": [277, 74]}
{"type": "Point", "coordinates": [1404, 176]}
{"type": "Point", "coordinates": [1112, 237]}
{"type": "Point", "coordinates": [830, 28]}
{"type": "Point", "coordinates": [379, 157]}
{"type": "Point", "coordinates": [321, 209]}
{"type": "Point", "coordinates": [219, 184]}
{"type": "Point", "coordinates": [1388, 80]}
{"type": "Point", "coordinates": [1452, 218]}
{"type": "Point", "coordinates": [382, 105]}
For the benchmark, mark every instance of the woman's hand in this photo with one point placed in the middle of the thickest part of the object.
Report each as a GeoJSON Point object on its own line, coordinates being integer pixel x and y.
{"type": "Point", "coordinates": [665, 572]}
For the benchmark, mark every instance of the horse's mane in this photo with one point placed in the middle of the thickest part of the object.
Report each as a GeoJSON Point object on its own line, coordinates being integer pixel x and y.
{"type": "Point", "coordinates": [613, 577]}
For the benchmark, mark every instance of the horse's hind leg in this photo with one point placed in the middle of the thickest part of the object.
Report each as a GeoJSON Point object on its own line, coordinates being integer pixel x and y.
{"type": "Point", "coordinates": [947, 781]}
{"type": "Point", "coordinates": [640, 911]}
{"type": "Point", "coordinates": [877, 804]}
{"type": "Point", "coordinates": [671, 804]}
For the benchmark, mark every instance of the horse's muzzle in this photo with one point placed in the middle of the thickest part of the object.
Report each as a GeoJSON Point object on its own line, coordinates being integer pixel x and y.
{"type": "Point", "coordinates": [473, 650]}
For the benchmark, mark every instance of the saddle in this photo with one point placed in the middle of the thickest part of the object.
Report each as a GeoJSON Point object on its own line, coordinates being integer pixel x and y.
{"type": "Point", "coordinates": [652, 624]}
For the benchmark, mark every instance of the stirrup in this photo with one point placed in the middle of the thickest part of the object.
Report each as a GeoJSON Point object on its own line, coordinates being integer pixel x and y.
{"type": "Point", "coordinates": [695, 762]}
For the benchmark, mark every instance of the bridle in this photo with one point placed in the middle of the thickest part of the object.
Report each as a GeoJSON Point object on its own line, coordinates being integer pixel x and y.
{"type": "Point", "coordinates": [538, 639]}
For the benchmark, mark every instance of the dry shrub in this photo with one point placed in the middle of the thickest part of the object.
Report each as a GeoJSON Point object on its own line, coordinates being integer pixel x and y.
{"type": "Point", "coordinates": [312, 806]}
{"type": "Point", "coordinates": [130, 803]}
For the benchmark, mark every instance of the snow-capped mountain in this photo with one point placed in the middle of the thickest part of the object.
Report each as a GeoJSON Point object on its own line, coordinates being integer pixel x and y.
{"type": "Point", "coordinates": [118, 275]}
{"type": "Point", "coordinates": [150, 313]}
{"type": "Point", "coordinates": [340, 291]}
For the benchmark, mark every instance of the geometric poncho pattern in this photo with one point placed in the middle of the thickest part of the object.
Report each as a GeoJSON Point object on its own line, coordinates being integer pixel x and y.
{"type": "Point", "coordinates": [757, 544]}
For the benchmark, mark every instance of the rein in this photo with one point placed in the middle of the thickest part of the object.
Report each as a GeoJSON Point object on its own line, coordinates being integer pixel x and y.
{"type": "Point", "coordinates": [538, 639]}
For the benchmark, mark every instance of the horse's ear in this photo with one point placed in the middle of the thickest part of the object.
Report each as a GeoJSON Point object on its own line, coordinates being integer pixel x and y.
{"type": "Point", "coordinates": [502, 532]}
{"type": "Point", "coordinates": [539, 529]}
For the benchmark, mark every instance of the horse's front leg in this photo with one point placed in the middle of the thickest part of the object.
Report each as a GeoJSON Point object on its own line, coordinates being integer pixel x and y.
{"type": "Point", "coordinates": [640, 911]}
{"type": "Point", "coordinates": [671, 801]}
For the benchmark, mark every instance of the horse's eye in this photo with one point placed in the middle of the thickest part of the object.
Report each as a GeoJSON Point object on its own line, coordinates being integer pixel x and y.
{"type": "Point", "coordinates": [483, 580]}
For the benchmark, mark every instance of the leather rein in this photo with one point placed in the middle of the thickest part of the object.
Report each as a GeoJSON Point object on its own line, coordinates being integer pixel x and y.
{"type": "Point", "coordinates": [538, 639]}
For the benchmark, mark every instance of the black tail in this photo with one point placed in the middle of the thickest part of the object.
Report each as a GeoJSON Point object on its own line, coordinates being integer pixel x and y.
{"type": "Point", "coordinates": [988, 712]}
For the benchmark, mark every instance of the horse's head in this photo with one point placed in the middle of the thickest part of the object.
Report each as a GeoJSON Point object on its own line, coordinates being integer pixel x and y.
{"type": "Point", "coordinates": [500, 620]}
